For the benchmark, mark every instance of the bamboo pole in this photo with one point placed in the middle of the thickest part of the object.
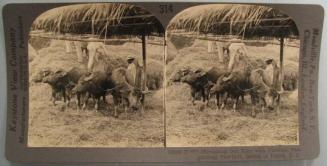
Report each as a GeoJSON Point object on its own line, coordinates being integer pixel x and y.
{"type": "Point", "coordinates": [87, 39]}
{"type": "Point", "coordinates": [122, 18]}
{"type": "Point", "coordinates": [221, 39]}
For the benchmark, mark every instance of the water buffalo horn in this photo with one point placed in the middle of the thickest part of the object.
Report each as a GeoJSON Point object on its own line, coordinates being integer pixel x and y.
{"type": "Point", "coordinates": [146, 92]}
{"type": "Point", "coordinates": [89, 77]}
{"type": "Point", "coordinates": [227, 78]}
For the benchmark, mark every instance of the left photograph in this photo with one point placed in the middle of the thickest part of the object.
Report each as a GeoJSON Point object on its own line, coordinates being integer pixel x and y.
{"type": "Point", "coordinates": [96, 77]}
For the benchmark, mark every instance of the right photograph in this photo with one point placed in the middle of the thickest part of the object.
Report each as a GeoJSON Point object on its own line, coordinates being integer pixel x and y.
{"type": "Point", "coordinates": [232, 77]}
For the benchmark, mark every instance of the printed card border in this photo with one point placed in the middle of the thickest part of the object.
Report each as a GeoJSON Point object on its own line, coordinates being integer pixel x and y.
{"type": "Point", "coordinates": [309, 19]}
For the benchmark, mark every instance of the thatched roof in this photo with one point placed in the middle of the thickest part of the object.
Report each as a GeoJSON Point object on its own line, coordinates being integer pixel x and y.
{"type": "Point", "coordinates": [103, 19]}
{"type": "Point", "coordinates": [234, 19]}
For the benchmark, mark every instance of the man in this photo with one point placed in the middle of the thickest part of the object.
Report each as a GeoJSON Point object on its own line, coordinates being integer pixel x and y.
{"type": "Point", "coordinates": [134, 72]}
{"type": "Point", "coordinates": [134, 76]}
{"type": "Point", "coordinates": [271, 76]}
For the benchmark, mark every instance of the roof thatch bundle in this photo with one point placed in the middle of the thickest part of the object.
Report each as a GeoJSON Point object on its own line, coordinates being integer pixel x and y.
{"type": "Point", "coordinates": [103, 19]}
{"type": "Point", "coordinates": [234, 19]}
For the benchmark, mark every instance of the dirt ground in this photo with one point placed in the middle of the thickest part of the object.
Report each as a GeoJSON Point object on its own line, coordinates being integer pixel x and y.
{"type": "Point", "coordinates": [191, 125]}
{"type": "Point", "coordinates": [54, 126]}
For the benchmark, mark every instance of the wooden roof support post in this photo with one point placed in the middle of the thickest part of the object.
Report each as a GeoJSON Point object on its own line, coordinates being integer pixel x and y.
{"type": "Point", "coordinates": [281, 60]}
{"type": "Point", "coordinates": [144, 59]}
{"type": "Point", "coordinates": [165, 85]}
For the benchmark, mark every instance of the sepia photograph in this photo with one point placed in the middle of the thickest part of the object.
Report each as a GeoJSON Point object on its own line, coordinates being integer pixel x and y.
{"type": "Point", "coordinates": [99, 77]}
{"type": "Point", "coordinates": [96, 77]}
{"type": "Point", "coordinates": [232, 77]}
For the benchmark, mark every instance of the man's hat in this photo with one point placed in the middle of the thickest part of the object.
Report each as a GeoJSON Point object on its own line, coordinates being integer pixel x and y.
{"type": "Point", "coordinates": [269, 61]}
{"type": "Point", "coordinates": [130, 58]}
